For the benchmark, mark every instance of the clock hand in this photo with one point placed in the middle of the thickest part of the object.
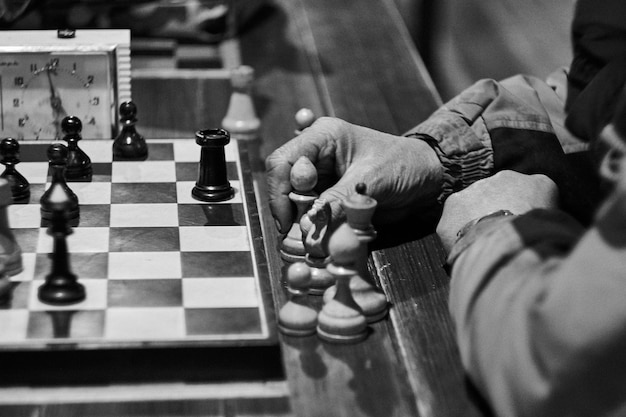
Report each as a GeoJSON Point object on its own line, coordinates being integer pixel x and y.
{"type": "Point", "coordinates": [55, 101]}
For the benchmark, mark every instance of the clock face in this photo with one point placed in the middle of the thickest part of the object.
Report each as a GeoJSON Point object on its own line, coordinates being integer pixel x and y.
{"type": "Point", "coordinates": [39, 89]}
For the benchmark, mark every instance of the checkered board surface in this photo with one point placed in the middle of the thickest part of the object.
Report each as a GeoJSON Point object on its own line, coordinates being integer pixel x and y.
{"type": "Point", "coordinates": [159, 267]}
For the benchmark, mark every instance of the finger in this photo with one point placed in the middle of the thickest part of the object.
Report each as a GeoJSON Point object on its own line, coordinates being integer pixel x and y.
{"type": "Point", "coordinates": [316, 143]}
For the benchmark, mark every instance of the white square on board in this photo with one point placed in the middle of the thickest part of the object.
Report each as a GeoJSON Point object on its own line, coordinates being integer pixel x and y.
{"type": "Point", "coordinates": [28, 263]}
{"type": "Point", "coordinates": [146, 171]}
{"type": "Point", "coordinates": [98, 151]}
{"type": "Point", "coordinates": [214, 238]}
{"type": "Point", "coordinates": [151, 323]}
{"type": "Point", "coordinates": [83, 239]}
{"type": "Point", "coordinates": [13, 325]}
{"type": "Point", "coordinates": [220, 292]}
{"type": "Point", "coordinates": [34, 172]}
{"type": "Point", "coordinates": [144, 215]}
{"type": "Point", "coordinates": [24, 216]}
{"type": "Point", "coordinates": [92, 192]}
{"type": "Point", "coordinates": [144, 265]}
{"type": "Point", "coordinates": [96, 297]}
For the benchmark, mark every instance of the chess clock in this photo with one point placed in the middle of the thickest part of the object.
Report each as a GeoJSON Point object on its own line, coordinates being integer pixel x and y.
{"type": "Point", "coordinates": [46, 75]}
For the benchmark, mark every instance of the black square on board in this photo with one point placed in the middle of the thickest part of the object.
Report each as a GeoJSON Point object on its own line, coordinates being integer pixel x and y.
{"type": "Point", "coordinates": [84, 265]}
{"type": "Point", "coordinates": [144, 239]}
{"type": "Point", "coordinates": [160, 151]}
{"type": "Point", "coordinates": [206, 321]}
{"type": "Point", "coordinates": [145, 293]}
{"type": "Point", "coordinates": [188, 171]}
{"type": "Point", "coordinates": [34, 152]}
{"type": "Point", "coordinates": [143, 193]}
{"type": "Point", "coordinates": [94, 215]}
{"type": "Point", "coordinates": [18, 297]}
{"type": "Point", "coordinates": [28, 239]}
{"type": "Point", "coordinates": [217, 264]}
{"type": "Point", "coordinates": [211, 215]}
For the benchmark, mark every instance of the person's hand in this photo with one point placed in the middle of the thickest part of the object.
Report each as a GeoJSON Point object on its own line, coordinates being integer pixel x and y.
{"type": "Point", "coordinates": [402, 174]}
{"type": "Point", "coordinates": [505, 190]}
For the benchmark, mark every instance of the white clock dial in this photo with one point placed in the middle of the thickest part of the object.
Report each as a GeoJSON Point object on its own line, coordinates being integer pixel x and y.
{"type": "Point", "coordinates": [40, 89]}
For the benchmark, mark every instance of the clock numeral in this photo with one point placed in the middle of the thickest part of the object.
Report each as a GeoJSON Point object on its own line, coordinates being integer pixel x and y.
{"type": "Point", "coordinates": [16, 102]}
{"type": "Point", "coordinates": [90, 79]}
{"type": "Point", "coordinates": [33, 67]}
{"type": "Point", "coordinates": [19, 81]}
{"type": "Point", "coordinates": [92, 121]}
{"type": "Point", "coordinates": [21, 122]}
{"type": "Point", "coordinates": [94, 101]}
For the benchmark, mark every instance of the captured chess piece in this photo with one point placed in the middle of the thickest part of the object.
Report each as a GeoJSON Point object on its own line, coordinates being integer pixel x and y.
{"type": "Point", "coordinates": [78, 162]}
{"type": "Point", "coordinates": [341, 320]}
{"type": "Point", "coordinates": [359, 209]}
{"type": "Point", "coordinates": [315, 227]}
{"type": "Point", "coordinates": [297, 317]}
{"type": "Point", "coordinates": [129, 144]}
{"type": "Point", "coordinates": [241, 119]}
{"type": "Point", "coordinates": [58, 189]}
{"type": "Point", "coordinates": [304, 118]}
{"type": "Point", "coordinates": [10, 152]}
{"type": "Point", "coordinates": [10, 250]}
{"type": "Point", "coordinates": [61, 286]}
{"type": "Point", "coordinates": [303, 179]}
{"type": "Point", "coordinates": [212, 184]}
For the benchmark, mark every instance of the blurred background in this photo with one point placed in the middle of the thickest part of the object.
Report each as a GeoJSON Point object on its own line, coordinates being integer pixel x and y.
{"type": "Point", "coordinates": [460, 41]}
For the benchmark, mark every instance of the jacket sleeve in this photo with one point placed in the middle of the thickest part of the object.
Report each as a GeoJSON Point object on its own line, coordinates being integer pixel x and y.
{"type": "Point", "coordinates": [514, 124]}
{"type": "Point", "coordinates": [540, 314]}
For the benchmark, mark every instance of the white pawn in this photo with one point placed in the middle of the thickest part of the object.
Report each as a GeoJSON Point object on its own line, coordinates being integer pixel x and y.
{"type": "Point", "coordinates": [241, 120]}
{"type": "Point", "coordinates": [303, 177]}
{"type": "Point", "coordinates": [359, 209]}
{"type": "Point", "coordinates": [341, 319]}
{"type": "Point", "coordinates": [304, 118]}
{"type": "Point", "coordinates": [297, 317]}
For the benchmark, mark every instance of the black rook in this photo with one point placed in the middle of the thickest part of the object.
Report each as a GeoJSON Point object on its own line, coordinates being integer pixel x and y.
{"type": "Point", "coordinates": [212, 184]}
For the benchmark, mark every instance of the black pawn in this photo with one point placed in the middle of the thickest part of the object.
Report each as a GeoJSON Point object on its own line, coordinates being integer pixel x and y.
{"type": "Point", "coordinates": [58, 190]}
{"type": "Point", "coordinates": [78, 162]}
{"type": "Point", "coordinates": [129, 144]}
{"type": "Point", "coordinates": [61, 286]}
{"type": "Point", "coordinates": [212, 184]}
{"type": "Point", "coordinates": [10, 151]}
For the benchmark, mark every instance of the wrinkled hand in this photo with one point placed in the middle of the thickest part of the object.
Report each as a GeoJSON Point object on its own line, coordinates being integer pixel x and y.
{"type": "Point", "coordinates": [402, 174]}
{"type": "Point", "coordinates": [505, 190]}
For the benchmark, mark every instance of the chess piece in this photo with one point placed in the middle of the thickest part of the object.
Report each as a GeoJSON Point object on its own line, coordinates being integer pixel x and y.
{"type": "Point", "coordinates": [303, 177]}
{"type": "Point", "coordinates": [341, 319]}
{"type": "Point", "coordinates": [10, 151]}
{"type": "Point", "coordinates": [297, 317]}
{"type": "Point", "coordinates": [58, 190]}
{"type": "Point", "coordinates": [359, 209]}
{"type": "Point", "coordinates": [78, 162]}
{"type": "Point", "coordinates": [241, 119]}
{"type": "Point", "coordinates": [61, 286]}
{"type": "Point", "coordinates": [212, 184]}
{"type": "Point", "coordinates": [129, 144]}
{"type": "Point", "coordinates": [315, 226]}
{"type": "Point", "coordinates": [304, 118]}
{"type": "Point", "coordinates": [10, 250]}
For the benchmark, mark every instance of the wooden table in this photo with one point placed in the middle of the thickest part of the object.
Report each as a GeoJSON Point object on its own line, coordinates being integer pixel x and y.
{"type": "Point", "coordinates": [353, 60]}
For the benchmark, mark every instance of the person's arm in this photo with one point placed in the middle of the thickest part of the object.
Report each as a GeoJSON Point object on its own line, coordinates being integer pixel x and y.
{"type": "Point", "coordinates": [540, 314]}
{"type": "Point", "coordinates": [514, 124]}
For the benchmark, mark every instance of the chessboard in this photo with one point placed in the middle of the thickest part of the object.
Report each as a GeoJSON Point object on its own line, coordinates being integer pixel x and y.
{"type": "Point", "coordinates": [168, 278]}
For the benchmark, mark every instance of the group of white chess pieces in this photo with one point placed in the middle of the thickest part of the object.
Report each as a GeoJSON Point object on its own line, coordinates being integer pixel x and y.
{"type": "Point", "coordinates": [333, 266]}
